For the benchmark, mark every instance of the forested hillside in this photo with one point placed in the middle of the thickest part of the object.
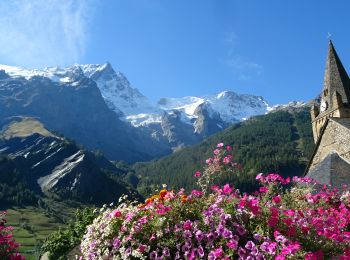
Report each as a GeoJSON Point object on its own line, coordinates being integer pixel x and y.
{"type": "Point", "coordinates": [277, 142]}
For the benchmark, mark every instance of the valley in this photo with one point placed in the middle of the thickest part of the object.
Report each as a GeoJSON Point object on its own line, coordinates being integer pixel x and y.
{"type": "Point", "coordinates": [74, 138]}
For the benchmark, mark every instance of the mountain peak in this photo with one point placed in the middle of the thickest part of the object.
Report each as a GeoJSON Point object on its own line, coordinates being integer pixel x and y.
{"type": "Point", "coordinates": [231, 107]}
{"type": "Point", "coordinates": [92, 69]}
{"type": "Point", "coordinates": [226, 93]}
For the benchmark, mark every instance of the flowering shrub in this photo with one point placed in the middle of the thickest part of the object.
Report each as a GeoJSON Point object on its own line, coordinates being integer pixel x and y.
{"type": "Point", "coordinates": [218, 166]}
{"type": "Point", "coordinates": [59, 243]}
{"type": "Point", "coordinates": [272, 223]}
{"type": "Point", "coordinates": [8, 247]}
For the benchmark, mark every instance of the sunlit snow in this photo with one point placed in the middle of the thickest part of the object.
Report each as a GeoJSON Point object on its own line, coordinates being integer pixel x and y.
{"type": "Point", "coordinates": [130, 105]}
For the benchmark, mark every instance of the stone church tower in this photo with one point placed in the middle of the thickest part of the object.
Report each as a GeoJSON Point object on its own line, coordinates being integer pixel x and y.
{"type": "Point", "coordinates": [330, 161]}
{"type": "Point", "coordinates": [335, 97]}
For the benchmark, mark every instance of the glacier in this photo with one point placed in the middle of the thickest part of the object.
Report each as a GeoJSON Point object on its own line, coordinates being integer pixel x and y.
{"type": "Point", "coordinates": [132, 106]}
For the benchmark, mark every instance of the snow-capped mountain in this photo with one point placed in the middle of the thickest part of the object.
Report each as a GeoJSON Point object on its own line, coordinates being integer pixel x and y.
{"type": "Point", "coordinates": [231, 107]}
{"type": "Point", "coordinates": [133, 106]}
{"type": "Point", "coordinates": [126, 101]}
{"type": "Point", "coordinates": [56, 74]}
{"type": "Point", "coordinates": [68, 102]}
{"type": "Point", "coordinates": [290, 106]}
{"type": "Point", "coordinates": [121, 97]}
{"type": "Point", "coordinates": [172, 118]}
{"type": "Point", "coordinates": [117, 91]}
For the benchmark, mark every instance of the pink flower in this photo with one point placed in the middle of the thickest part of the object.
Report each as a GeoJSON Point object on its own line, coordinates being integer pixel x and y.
{"type": "Point", "coordinates": [255, 210]}
{"type": "Point", "coordinates": [116, 214]}
{"type": "Point", "coordinates": [289, 213]}
{"type": "Point", "coordinates": [218, 252]}
{"type": "Point", "coordinates": [288, 221]}
{"type": "Point", "coordinates": [240, 230]}
{"type": "Point", "coordinates": [129, 216]}
{"type": "Point", "coordinates": [219, 145]}
{"type": "Point", "coordinates": [208, 161]}
{"type": "Point", "coordinates": [227, 189]}
{"type": "Point", "coordinates": [197, 174]}
{"type": "Point", "coordinates": [187, 225]}
{"type": "Point", "coordinates": [143, 220]}
{"type": "Point", "coordinates": [276, 199]}
{"type": "Point", "coordinates": [285, 181]}
{"type": "Point", "coordinates": [216, 151]}
{"type": "Point", "coordinates": [263, 189]}
{"type": "Point", "coordinates": [291, 231]}
{"type": "Point", "coordinates": [271, 248]}
{"type": "Point", "coordinates": [116, 243]}
{"type": "Point", "coordinates": [259, 176]}
{"type": "Point", "coordinates": [228, 148]}
{"type": "Point", "coordinates": [242, 203]}
{"type": "Point", "coordinates": [215, 188]}
{"type": "Point", "coordinates": [197, 193]}
{"type": "Point", "coordinates": [226, 160]}
{"type": "Point", "coordinates": [272, 221]}
{"type": "Point", "coordinates": [314, 256]}
{"type": "Point", "coordinates": [142, 248]}
{"type": "Point", "coordinates": [292, 248]}
{"type": "Point", "coordinates": [274, 212]}
{"type": "Point", "coordinates": [161, 209]}
{"type": "Point", "coordinates": [232, 244]}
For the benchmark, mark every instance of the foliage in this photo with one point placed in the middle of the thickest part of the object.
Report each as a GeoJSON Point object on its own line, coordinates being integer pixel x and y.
{"type": "Point", "coordinates": [8, 247]}
{"type": "Point", "coordinates": [302, 123]}
{"type": "Point", "coordinates": [280, 141]}
{"type": "Point", "coordinates": [59, 243]}
{"type": "Point", "coordinates": [14, 189]}
{"type": "Point", "coordinates": [32, 225]}
{"type": "Point", "coordinates": [307, 221]}
{"type": "Point", "coordinates": [217, 167]}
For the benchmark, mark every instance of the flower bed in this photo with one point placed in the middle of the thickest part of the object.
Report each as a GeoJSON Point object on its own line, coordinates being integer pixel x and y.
{"type": "Point", "coordinates": [221, 223]}
{"type": "Point", "coordinates": [8, 247]}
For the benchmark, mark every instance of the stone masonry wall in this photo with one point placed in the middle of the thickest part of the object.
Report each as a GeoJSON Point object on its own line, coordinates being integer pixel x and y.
{"type": "Point", "coordinates": [336, 137]}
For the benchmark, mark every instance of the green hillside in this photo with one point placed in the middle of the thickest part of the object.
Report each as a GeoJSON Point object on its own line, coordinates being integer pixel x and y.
{"type": "Point", "coordinates": [277, 142]}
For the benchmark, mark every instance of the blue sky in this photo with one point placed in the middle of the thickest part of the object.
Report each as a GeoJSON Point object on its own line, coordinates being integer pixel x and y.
{"type": "Point", "coordinates": [273, 48]}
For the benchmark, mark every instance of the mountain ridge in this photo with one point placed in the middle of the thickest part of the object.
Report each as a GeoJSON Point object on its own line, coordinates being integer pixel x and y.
{"type": "Point", "coordinates": [277, 142]}
{"type": "Point", "coordinates": [54, 167]}
{"type": "Point", "coordinates": [97, 106]}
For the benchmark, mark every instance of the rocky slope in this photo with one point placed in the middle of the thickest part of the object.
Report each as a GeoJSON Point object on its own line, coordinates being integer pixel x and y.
{"type": "Point", "coordinates": [71, 103]}
{"type": "Point", "coordinates": [98, 107]}
{"type": "Point", "coordinates": [51, 166]}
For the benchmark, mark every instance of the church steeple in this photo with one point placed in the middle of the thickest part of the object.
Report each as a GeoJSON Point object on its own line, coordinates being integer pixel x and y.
{"type": "Point", "coordinates": [335, 96]}
{"type": "Point", "coordinates": [336, 80]}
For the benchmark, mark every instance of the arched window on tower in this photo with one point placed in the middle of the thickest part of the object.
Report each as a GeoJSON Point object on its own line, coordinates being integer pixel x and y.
{"type": "Point", "coordinates": [325, 92]}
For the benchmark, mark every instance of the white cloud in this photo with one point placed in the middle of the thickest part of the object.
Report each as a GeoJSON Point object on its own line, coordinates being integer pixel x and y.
{"type": "Point", "coordinates": [38, 33]}
{"type": "Point", "coordinates": [242, 67]}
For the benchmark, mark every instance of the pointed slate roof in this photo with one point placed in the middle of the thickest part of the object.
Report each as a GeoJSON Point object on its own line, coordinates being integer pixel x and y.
{"type": "Point", "coordinates": [332, 170]}
{"type": "Point", "coordinates": [335, 79]}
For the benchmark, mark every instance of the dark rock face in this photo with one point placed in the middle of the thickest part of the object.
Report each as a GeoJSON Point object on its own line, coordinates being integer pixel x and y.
{"type": "Point", "coordinates": [176, 131]}
{"type": "Point", "coordinates": [55, 167]}
{"type": "Point", "coordinates": [3, 75]}
{"type": "Point", "coordinates": [208, 123]}
{"type": "Point", "coordinates": [78, 111]}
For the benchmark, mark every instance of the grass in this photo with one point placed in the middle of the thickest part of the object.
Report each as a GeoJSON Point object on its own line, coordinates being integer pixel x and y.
{"type": "Point", "coordinates": [24, 128]}
{"type": "Point", "coordinates": [31, 227]}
